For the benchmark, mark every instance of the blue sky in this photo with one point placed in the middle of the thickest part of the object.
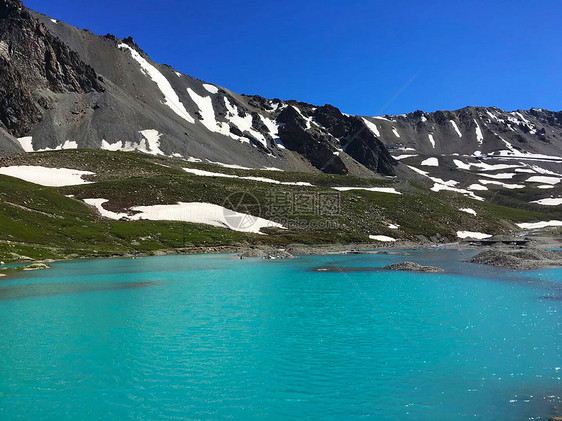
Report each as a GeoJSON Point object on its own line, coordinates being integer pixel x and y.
{"type": "Point", "coordinates": [365, 57]}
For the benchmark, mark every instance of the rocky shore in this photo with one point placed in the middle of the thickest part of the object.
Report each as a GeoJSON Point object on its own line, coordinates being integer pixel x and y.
{"type": "Point", "coordinates": [519, 259]}
{"type": "Point", "coordinates": [268, 254]}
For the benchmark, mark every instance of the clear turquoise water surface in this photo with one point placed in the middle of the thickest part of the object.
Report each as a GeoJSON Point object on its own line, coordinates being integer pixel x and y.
{"type": "Point", "coordinates": [213, 337]}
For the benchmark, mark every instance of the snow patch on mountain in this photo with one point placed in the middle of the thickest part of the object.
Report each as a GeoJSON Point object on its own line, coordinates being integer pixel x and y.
{"type": "Point", "coordinates": [454, 124]}
{"type": "Point", "coordinates": [382, 238]}
{"type": "Point", "coordinates": [504, 185]}
{"type": "Point", "coordinates": [171, 98]}
{"type": "Point", "coordinates": [45, 176]}
{"type": "Point", "coordinates": [26, 143]}
{"type": "Point", "coordinates": [194, 212]}
{"type": "Point", "coordinates": [551, 201]}
{"type": "Point", "coordinates": [150, 143]}
{"type": "Point", "coordinates": [244, 123]}
{"type": "Point", "coordinates": [390, 190]}
{"type": "Point", "coordinates": [273, 129]}
{"type": "Point", "coordinates": [372, 127]}
{"type": "Point", "coordinates": [207, 113]}
{"type": "Point", "coordinates": [472, 234]}
{"type": "Point", "coordinates": [430, 162]}
{"type": "Point", "coordinates": [543, 180]}
{"type": "Point", "coordinates": [431, 140]}
{"type": "Point", "coordinates": [204, 173]}
{"type": "Point", "coordinates": [69, 144]}
{"type": "Point", "coordinates": [541, 224]}
{"type": "Point", "coordinates": [117, 146]}
{"type": "Point", "coordinates": [211, 88]}
{"type": "Point", "coordinates": [479, 135]}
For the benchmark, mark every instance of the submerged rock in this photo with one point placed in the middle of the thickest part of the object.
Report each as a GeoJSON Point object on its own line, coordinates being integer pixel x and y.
{"type": "Point", "coordinates": [273, 254]}
{"type": "Point", "coordinates": [525, 259]}
{"type": "Point", "coordinates": [413, 267]}
{"type": "Point", "coordinates": [36, 266]}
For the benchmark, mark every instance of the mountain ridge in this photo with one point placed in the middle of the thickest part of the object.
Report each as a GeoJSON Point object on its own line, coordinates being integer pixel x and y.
{"type": "Point", "coordinates": [144, 106]}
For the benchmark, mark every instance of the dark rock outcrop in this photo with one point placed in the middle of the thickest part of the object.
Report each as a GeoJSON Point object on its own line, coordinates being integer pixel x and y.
{"type": "Point", "coordinates": [33, 61]}
{"type": "Point", "coordinates": [312, 143]}
{"type": "Point", "coordinates": [356, 139]}
{"type": "Point", "coordinates": [321, 134]}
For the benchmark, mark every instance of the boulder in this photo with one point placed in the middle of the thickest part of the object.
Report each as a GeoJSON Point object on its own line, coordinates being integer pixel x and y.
{"type": "Point", "coordinates": [413, 267]}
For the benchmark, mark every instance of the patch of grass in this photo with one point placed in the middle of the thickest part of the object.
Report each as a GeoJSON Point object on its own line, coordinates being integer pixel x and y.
{"type": "Point", "coordinates": [41, 222]}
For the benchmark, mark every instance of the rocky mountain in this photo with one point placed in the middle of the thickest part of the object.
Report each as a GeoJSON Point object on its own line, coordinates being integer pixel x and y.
{"type": "Point", "coordinates": [65, 88]}
{"type": "Point", "coordinates": [473, 131]}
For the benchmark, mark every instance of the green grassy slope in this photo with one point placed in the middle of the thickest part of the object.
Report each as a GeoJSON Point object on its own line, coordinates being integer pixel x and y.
{"type": "Point", "coordinates": [41, 222]}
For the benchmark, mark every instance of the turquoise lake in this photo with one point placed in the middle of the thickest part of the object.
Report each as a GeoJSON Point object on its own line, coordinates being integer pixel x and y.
{"type": "Point", "coordinates": [214, 337]}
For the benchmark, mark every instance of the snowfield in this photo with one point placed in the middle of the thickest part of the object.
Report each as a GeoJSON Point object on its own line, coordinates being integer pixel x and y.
{"type": "Point", "coordinates": [468, 210]}
{"type": "Point", "coordinates": [543, 180]}
{"type": "Point", "coordinates": [504, 185]}
{"type": "Point", "coordinates": [211, 88]}
{"type": "Point", "coordinates": [541, 224]}
{"type": "Point", "coordinates": [44, 176]}
{"type": "Point", "coordinates": [471, 234]}
{"type": "Point", "coordinates": [440, 184]}
{"type": "Point", "coordinates": [500, 176]}
{"type": "Point", "coordinates": [69, 144]}
{"type": "Point", "coordinates": [149, 144]}
{"type": "Point", "coordinates": [399, 157]}
{"type": "Point", "coordinates": [250, 178]}
{"type": "Point", "coordinates": [549, 201]}
{"type": "Point", "coordinates": [197, 213]}
{"type": "Point", "coordinates": [430, 162]}
{"type": "Point", "coordinates": [26, 143]}
{"type": "Point", "coordinates": [382, 238]}
{"type": "Point", "coordinates": [390, 190]}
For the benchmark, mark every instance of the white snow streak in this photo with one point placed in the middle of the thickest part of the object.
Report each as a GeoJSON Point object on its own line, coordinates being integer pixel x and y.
{"type": "Point", "coordinates": [171, 98]}
{"type": "Point", "coordinates": [471, 234]}
{"type": "Point", "coordinates": [382, 238]}
{"type": "Point", "coordinates": [44, 176]}
{"type": "Point", "coordinates": [551, 201]}
{"type": "Point", "coordinates": [372, 127]}
{"type": "Point", "coordinates": [542, 224]}
{"type": "Point", "coordinates": [454, 124]}
{"type": "Point", "coordinates": [431, 140]}
{"type": "Point", "coordinates": [390, 190]}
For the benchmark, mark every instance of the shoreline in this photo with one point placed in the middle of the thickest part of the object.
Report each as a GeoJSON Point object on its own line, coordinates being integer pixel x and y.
{"type": "Point", "coordinates": [395, 248]}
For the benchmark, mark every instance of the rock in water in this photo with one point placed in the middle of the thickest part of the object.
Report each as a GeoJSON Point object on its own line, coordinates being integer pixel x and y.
{"type": "Point", "coordinates": [36, 266]}
{"type": "Point", "coordinates": [519, 259]}
{"type": "Point", "coordinates": [413, 267]}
